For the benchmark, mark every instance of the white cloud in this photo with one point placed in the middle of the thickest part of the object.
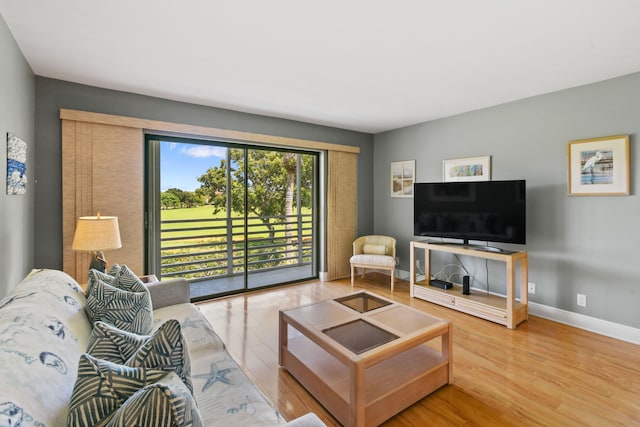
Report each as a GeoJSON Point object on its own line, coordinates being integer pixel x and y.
{"type": "Point", "coordinates": [204, 151]}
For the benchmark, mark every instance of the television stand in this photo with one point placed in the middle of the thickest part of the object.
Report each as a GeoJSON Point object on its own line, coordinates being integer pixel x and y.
{"type": "Point", "coordinates": [503, 310]}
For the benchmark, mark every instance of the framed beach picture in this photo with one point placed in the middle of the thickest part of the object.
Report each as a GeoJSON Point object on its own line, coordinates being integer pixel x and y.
{"type": "Point", "coordinates": [599, 166]}
{"type": "Point", "coordinates": [402, 178]}
{"type": "Point", "coordinates": [467, 169]}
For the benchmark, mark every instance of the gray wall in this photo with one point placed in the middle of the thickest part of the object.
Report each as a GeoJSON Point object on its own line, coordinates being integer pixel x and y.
{"type": "Point", "coordinates": [52, 95]}
{"type": "Point", "coordinates": [585, 245]}
{"type": "Point", "coordinates": [17, 89]}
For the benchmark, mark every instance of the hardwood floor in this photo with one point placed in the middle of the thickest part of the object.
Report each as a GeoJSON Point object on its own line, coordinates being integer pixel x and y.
{"type": "Point", "coordinates": [541, 374]}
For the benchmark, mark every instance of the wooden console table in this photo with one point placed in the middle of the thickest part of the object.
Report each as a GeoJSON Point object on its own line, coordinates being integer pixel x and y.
{"type": "Point", "coordinates": [505, 311]}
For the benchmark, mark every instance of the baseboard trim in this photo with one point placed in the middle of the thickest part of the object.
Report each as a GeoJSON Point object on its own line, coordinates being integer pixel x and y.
{"type": "Point", "coordinates": [588, 323]}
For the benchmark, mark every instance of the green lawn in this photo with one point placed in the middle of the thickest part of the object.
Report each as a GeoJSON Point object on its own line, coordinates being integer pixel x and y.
{"type": "Point", "coordinates": [210, 220]}
{"type": "Point", "coordinates": [190, 213]}
{"type": "Point", "coordinates": [215, 239]}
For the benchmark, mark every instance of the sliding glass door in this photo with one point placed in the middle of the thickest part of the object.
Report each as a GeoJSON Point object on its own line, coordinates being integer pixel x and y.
{"type": "Point", "coordinates": [230, 217]}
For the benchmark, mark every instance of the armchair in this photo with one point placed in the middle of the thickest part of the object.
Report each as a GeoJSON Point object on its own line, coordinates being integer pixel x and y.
{"type": "Point", "coordinates": [375, 253]}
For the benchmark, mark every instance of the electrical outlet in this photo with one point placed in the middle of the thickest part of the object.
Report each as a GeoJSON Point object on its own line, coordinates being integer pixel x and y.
{"type": "Point", "coordinates": [582, 300]}
{"type": "Point", "coordinates": [532, 288]}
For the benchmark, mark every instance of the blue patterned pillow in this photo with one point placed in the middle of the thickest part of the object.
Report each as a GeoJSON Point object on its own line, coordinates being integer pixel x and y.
{"type": "Point", "coordinates": [119, 276]}
{"type": "Point", "coordinates": [165, 403]}
{"type": "Point", "coordinates": [165, 349]}
{"type": "Point", "coordinates": [121, 300]}
{"type": "Point", "coordinates": [108, 277]}
{"type": "Point", "coordinates": [102, 387]}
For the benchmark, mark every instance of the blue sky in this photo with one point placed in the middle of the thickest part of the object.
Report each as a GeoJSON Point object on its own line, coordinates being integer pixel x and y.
{"type": "Point", "coordinates": [181, 164]}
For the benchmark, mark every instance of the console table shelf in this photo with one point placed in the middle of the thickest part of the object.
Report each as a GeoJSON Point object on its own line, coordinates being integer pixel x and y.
{"type": "Point", "coordinates": [505, 311]}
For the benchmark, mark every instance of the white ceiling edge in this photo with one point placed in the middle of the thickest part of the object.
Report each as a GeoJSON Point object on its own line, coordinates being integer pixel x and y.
{"type": "Point", "coordinates": [367, 66]}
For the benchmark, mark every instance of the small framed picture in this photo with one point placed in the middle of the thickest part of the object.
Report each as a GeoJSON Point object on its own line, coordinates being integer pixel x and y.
{"type": "Point", "coordinates": [599, 166]}
{"type": "Point", "coordinates": [402, 178]}
{"type": "Point", "coordinates": [16, 165]}
{"type": "Point", "coordinates": [467, 169]}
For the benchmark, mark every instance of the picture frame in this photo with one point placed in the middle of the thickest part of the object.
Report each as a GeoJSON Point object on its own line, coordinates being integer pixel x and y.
{"type": "Point", "coordinates": [467, 169]}
{"type": "Point", "coordinates": [403, 175]}
{"type": "Point", "coordinates": [598, 166]}
{"type": "Point", "coordinates": [16, 165]}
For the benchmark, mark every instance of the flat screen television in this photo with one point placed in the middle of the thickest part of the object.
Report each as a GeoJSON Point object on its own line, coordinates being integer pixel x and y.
{"type": "Point", "coordinates": [492, 211]}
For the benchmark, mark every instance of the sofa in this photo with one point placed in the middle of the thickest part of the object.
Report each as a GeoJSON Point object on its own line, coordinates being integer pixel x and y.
{"type": "Point", "coordinates": [45, 330]}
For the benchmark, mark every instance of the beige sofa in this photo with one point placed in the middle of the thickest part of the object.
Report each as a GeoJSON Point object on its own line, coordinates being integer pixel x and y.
{"type": "Point", "coordinates": [44, 330]}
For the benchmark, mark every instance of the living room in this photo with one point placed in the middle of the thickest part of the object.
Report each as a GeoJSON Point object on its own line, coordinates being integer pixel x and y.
{"type": "Point", "coordinates": [576, 245]}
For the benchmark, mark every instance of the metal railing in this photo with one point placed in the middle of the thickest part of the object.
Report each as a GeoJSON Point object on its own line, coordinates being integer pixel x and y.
{"type": "Point", "coordinates": [215, 247]}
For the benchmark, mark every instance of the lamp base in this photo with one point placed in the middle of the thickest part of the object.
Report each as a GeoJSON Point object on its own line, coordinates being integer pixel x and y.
{"type": "Point", "coordinates": [98, 262]}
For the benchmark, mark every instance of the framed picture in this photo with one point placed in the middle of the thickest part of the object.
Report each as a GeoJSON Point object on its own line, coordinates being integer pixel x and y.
{"type": "Point", "coordinates": [467, 169]}
{"type": "Point", "coordinates": [16, 165]}
{"type": "Point", "coordinates": [599, 167]}
{"type": "Point", "coordinates": [402, 178]}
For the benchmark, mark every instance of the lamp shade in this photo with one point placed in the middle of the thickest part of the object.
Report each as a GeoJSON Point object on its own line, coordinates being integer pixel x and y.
{"type": "Point", "coordinates": [96, 233]}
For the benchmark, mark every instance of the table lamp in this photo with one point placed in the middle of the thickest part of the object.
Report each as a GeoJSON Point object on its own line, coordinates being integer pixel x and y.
{"type": "Point", "coordinates": [97, 234]}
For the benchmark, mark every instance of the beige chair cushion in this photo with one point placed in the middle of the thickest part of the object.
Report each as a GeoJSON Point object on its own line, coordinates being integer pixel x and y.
{"type": "Point", "coordinates": [373, 260]}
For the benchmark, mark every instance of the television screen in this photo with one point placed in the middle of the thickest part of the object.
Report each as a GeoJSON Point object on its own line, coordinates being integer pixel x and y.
{"type": "Point", "coordinates": [493, 211]}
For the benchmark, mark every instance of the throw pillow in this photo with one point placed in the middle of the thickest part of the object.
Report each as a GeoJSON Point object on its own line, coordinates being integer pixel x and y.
{"type": "Point", "coordinates": [374, 249]}
{"type": "Point", "coordinates": [165, 403]}
{"type": "Point", "coordinates": [94, 277]}
{"type": "Point", "coordinates": [114, 269]}
{"type": "Point", "coordinates": [102, 387]}
{"type": "Point", "coordinates": [121, 300]}
{"type": "Point", "coordinates": [165, 349]}
{"type": "Point", "coordinates": [117, 275]}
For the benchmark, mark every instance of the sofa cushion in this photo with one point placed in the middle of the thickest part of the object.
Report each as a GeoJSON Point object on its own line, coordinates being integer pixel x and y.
{"type": "Point", "coordinates": [196, 329]}
{"type": "Point", "coordinates": [165, 349]}
{"type": "Point", "coordinates": [381, 261]}
{"type": "Point", "coordinates": [165, 403]}
{"type": "Point", "coordinates": [103, 386]}
{"type": "Point", "coordinates": [225, 394]}
{"type": "Point", "coordinates": [121, 300]}
{"type": "Point", "coordinates": [43, 331]}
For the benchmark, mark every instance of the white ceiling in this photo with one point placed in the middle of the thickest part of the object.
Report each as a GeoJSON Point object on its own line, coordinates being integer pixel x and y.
{"type": "Point", "coordinates": [365, 65]}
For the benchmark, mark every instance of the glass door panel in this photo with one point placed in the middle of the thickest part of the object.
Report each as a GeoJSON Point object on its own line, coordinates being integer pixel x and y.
{"type": "Point", "coordinates": [280, 217]}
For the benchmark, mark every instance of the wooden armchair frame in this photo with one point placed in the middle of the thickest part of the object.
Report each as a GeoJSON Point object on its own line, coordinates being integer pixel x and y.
{"type": "Point", "coordinates": [374, 252]}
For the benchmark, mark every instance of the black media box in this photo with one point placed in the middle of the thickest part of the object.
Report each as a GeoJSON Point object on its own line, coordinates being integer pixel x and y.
{"type": "Point", "coordinates": [440, 284]}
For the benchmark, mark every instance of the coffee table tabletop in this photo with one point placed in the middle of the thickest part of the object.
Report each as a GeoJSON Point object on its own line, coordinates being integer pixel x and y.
{"type": "Point", "coordinates": [364, 357]}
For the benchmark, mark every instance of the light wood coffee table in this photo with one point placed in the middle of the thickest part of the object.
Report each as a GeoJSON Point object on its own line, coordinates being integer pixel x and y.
{"type": "Point", "coordinates": [363, 357]}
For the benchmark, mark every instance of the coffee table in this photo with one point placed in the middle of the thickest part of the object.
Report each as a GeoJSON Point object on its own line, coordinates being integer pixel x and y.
{"type": "Point", "coordinates": [363, 357]}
